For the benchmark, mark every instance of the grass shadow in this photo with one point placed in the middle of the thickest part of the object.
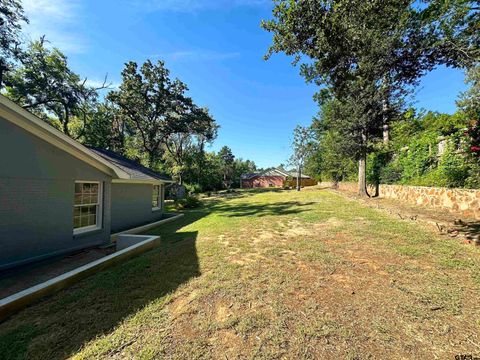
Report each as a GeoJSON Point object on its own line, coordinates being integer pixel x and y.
{"type": "Point", "coordinates": [261, 209]}
{"type": "Point", "coordinates": [470, 229]}
{"type": "Point", "coordinates": [58, 326]}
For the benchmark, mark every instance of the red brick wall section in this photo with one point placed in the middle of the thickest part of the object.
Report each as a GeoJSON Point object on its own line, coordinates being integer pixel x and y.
{"type": "Point", "coordinates": [263, 182]}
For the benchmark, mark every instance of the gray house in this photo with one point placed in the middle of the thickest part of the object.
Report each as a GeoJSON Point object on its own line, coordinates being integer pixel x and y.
{"type": "Point", "coordinates": [58, 196]}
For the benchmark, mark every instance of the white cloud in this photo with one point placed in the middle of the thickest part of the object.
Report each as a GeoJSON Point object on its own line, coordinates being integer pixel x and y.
{"type": "Point", "coordinates": [57, 20]}
{"type": "Point", "coordinates": [194, 5]}
{"type": "Point", "coordinates": [196, 55]}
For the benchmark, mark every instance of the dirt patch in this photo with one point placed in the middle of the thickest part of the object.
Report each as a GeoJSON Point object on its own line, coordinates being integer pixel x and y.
{"type": "Point", "coordinates": [264, 236]}
{"type": "Point", "coordinates": [181, 304]}
{"type": "Point", "coordinates": [247, 258]}
{"type": "Point", "coordinates": [223, 313]}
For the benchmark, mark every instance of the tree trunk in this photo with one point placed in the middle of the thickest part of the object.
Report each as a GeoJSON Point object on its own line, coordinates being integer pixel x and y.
{"type": "Point", "coordinates": [299, 177]}
{"type": "Point", "coordinates": [66, 120]}
{"type": "Point", "coordinates": [386, 127]}
{"type": "Point", "coordinates": [386, 133]}
{"type": "Point", "coordinates": [362, 176]}
{"type": "Point", "coordinates": [151, 160]}
{"type": "Point", "coordinates": [1, 75]}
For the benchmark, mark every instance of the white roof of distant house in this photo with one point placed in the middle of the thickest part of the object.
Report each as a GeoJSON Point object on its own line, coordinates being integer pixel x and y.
{"type": "Point", "coordinates": [274, 172]}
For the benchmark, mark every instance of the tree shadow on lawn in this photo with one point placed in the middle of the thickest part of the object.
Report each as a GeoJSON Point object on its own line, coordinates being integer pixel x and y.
{"type": "Point", "coordinates": [470, 229]}
{"type": "Point", "coordinates": [58, 326]}
{"type": "Point", "coordinates": [259, 210]}
{"type": "Point", "coordinates": [243, 193]}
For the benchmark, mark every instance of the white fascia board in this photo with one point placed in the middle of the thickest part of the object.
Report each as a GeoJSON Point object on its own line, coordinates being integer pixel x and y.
{"type": "Point", "coordinates": [29, 122]}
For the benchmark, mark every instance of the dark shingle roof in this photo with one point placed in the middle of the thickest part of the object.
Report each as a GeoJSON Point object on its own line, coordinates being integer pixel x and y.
{"type": "Point", "coordinates": [133, 168]}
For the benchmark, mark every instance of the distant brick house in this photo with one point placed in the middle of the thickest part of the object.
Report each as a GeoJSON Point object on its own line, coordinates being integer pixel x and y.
{"type": "Point", "coordinates": [268, 178]}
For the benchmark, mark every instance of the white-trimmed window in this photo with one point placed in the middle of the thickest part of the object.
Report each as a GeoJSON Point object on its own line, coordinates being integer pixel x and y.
{"type": "Point", "coordinates": [87, 209]}
{"type": "Point", "coordinates": [156, 197]}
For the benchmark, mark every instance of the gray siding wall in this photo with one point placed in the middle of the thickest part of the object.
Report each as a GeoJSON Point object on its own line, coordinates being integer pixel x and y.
{"type": "Point", "coordinates": [36, 198]}
{"type": "Point", "coordinates": [132, 206]}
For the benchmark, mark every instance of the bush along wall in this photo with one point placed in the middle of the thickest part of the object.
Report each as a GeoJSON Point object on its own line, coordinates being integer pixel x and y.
{"type": "Point", "coordinates": [435, 150]}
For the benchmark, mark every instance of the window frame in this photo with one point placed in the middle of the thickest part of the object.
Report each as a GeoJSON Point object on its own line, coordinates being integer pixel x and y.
{"type": "Point", "coordinates": [99, 217]}
{"type": "Point", "coordinates": [159, 197]}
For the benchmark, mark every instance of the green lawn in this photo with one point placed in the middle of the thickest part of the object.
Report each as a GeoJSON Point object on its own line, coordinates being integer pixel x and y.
{"type": "Point", "coordinates": [269, 274]}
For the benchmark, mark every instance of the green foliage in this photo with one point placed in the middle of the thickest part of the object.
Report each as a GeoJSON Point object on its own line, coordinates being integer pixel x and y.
{"type": "Point", "coordinates": [417, 161]}
{"type": "Point", "coordinates": [193, 188]}
{"type": "Point", "coordinates": [326, 161]}
{"type": "Point", "coordinates": [376, 162]}
{"type": "Point", "coordinates": [242, 167]}
{"type": "Point", "coordinates": [469, 101]}
{"type": "Point", "coordinates": [302, 145]}
{"type": "Point", "coordinates": [413, 155]}
{"type": "Point", "coordinates": [227, 162]}
{"type": "Point", "coordinates": [149, 118]}
{"type": "Point", "coordinates": [420, 157]}
{"type": "Point", "coordinates": [104, 128]}
{"type": "Point", "coordinates": [157, 106]}
{"type": "Point", "coordinates": [189, 202]}
{"type": "Point", "coordinates": [11, 18]}
{"type": "Point", "coordinates": [184, 149]}
{"type": "Point", "coordinates": [45, 84]}
{"type": "Point", "coordinates": [455, 24]}
{"type": "Point", "coordinates": [366, 56]}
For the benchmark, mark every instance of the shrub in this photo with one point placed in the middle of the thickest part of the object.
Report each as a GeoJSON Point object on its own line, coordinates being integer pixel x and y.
{"type": "Point", "coordinates": [190, 202]}
{"type": "Point", "coordinates": [193, 188]}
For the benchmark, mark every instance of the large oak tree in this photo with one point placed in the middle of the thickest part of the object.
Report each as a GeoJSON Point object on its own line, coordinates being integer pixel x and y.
{"type": "Point", "coordinates": [364, 54]}
{"type": "Point", "coordinates": [160, 109]}
{"type": "Point", "coordinates": [11, 18]}
{"type": "Point", "coordinates": [44, 84]}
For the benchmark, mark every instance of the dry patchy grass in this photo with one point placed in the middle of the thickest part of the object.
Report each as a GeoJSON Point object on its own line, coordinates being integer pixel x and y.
{"type": "Point", "coordinates": [278, 274]}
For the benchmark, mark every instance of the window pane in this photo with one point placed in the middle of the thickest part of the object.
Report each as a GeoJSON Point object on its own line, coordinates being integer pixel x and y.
{"type": "Point", "coordinates": [94, 190]}
{"type": "Point", "coordinates": [87, 196]}
{"type": "Point", "coordinates": [92, 210]}
{"type": "Point", "coordinates": [155, 196]}
{"type": "Point", "coordinates": [84, 221]}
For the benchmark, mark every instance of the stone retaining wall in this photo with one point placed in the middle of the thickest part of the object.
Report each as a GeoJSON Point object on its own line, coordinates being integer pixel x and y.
{"type": "Point", "coordinates": [465, 201]}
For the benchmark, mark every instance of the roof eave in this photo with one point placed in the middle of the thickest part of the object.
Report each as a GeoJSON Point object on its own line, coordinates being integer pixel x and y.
{"type": "Point", "coordinates": [31, 123]}
{"type": "Point", "coordinates": [142, 181]}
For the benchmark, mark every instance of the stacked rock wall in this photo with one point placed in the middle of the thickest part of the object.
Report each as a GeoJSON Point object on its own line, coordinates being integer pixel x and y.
{"type": "Point", "coordinates": [465, 201]}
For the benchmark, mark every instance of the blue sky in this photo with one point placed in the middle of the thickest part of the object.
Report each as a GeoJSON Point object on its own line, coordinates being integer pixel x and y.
{"type": "Point", "coordinates": [217, 48]}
